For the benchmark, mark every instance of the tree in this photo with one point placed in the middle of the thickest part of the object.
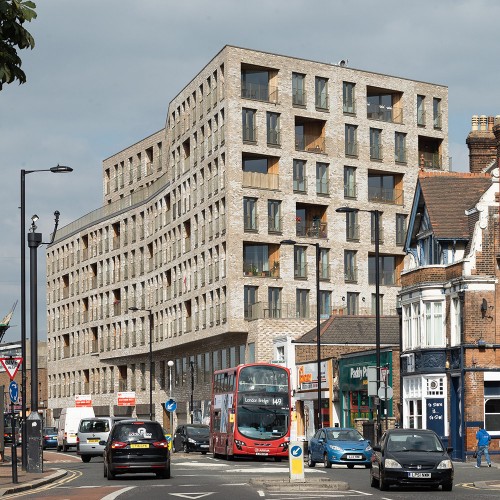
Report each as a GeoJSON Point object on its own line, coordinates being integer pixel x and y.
{"type": "Point", "coordinates": [13, 14]}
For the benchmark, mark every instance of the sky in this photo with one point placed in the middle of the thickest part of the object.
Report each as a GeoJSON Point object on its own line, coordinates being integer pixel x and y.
{"type": "Point", "coordinates": [103, 72]}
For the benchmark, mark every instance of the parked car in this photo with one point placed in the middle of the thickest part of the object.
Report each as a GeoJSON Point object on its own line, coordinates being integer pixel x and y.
{"type": "Point", "coordinates": [192, 437]}
{"type": "Point", "coordinates": [91, 432]}
{"type": "Point", "coordinates": [136, 447]}
{"type": "Point", "coordinates": [411, 457]}
{"type": "Point", "coordinates": [336, 445]}
{"type": "Point", "coordinates": [49, 437]}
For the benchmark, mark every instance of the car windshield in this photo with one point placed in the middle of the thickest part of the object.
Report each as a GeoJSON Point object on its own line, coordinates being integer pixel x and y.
{"type": "Point", "coordinates": [197, 431]}
{"type": "Point", "coordinates": [50, 430]}
{"type": "Point", "coordinates": [413, 442]}
{"type": "Point", "coordinates": [138, 431]}
{"type": "Point", "coordinates": [344, 435]}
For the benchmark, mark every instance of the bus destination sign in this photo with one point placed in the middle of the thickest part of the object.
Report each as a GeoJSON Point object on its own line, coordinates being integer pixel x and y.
{"type": "Point", "coordinates": [277, 400]}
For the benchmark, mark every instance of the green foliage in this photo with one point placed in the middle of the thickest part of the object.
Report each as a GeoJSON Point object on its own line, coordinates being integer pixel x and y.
{"type": "Point", "coordinates": [13, 36]}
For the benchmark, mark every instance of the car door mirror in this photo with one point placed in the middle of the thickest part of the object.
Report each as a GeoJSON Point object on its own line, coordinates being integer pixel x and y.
{"type": "Point", "coordinates": [376, 447]}
{"type": "Point", "coordinates": [449, 450]}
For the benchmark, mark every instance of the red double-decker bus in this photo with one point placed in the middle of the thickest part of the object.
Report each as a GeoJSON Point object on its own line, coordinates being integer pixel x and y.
{"type": "Point", "coordinates": [250, 411]}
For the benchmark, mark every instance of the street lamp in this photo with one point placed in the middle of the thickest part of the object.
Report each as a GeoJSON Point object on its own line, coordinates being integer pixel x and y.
{"type": "Point", "coordinates": [56, 170]}
{"type": "Point", "coordinates": [191, 365]}
{"type": "Point", "coordinates": [170, 363]}
{"type": "Point", "coordinates": [376, 221]}
{"type": "Point", "coordinates": [151, 319]}
{"type": "Point", "coordinates": [318, 325]}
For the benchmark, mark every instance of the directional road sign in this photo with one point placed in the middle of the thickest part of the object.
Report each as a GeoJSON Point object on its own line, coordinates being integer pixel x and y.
{"type": "Point", "coordinates": [14, 391]}
{"type": "Point", "coordinates": [171, 405]}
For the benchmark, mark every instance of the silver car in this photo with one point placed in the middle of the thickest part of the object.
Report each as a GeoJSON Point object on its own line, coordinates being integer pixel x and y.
{"type": "Point", "coordinates": [90, 432]}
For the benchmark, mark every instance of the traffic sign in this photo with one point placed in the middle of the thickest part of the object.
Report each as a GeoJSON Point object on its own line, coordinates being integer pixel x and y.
{"type": "Point", "coordinates": [13, 391]}
{"type": "Point", "coordinates": [171, 405]}
{"type": "Point", "coordinates": [11, 365]}
{"type": "Point", "coordinates": [385, 391]}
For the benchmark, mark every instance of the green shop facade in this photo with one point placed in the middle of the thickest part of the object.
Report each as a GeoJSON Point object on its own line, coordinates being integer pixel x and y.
{"type": "Point", "coordinates": [355, 403]}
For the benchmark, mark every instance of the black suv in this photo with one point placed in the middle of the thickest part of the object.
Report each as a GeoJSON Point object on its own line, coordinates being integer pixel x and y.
{"type": "Point", "coordinates": [136, 447]}
{"type": "Point", "coordinates": [192, 437]}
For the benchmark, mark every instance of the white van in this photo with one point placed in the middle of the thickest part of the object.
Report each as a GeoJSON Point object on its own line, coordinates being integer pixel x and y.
{"type": "Point", "coordinates": [67, 430]}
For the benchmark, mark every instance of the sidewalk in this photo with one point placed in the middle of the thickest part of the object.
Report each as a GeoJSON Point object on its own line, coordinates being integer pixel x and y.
{"type": "Point", "coordinates": [25, 480]}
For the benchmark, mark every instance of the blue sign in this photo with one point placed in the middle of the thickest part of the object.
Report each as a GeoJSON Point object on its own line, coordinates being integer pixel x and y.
{"type": "Point", "coordinates": [435, 415]}
{"type": "Point", "coordinates": [14, 391]}
{"type": "Point", "coordinates": [171, 405]}
{"type": "Point", "coordinates": [296, 451]}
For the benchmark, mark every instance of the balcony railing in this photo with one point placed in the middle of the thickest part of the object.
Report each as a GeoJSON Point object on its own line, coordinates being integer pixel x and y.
{"type": "Point", "coordinates": [384, 114]}
{"type": "Point", "coordinates": [251, 222]}
{"type": "Point", "coordinates": [310, 143]}
{"type": "Point", "coordinates": [351, 275]}
{"type": "Point", "coordinates": [260, 181]}
{"type": "Point", "coordinates": [430, 160]}
{"type": "Point", "coordinates": [352, 233]}
{"type": "Point", "coordinates": [259, 92]}
{"type": "Point", "coordinates": [376, 152]}
{"type": "Point", "coordinates": [381, 195]}
{"type": "Point", "coordinates": [421, 118]}
{"type": "Point", "coordinates": [312, 230]}
{"type": "Point", "coordinates": [351, 148]}
{"type": "Point", "coordinates": [322, 102]}
{"type": "Point", "coordinates": [264, 310]}
{"type": "Point", "coordinates": [350, 191]}
{"type": "Point", "coordinates": [400, 155]}
{"type": "Point", "coordinates": [273, 137]}
{"type": "Point", "coordinates": [299, 98]}
{"type": "Point", "coordinates": [275, 224]}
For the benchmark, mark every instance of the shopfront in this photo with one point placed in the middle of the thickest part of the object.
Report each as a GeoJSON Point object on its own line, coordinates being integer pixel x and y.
{"type": "Point", "coordinates": [353, 384]}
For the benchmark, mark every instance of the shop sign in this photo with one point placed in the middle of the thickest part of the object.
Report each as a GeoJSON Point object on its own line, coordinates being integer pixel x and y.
{"type": "Point", "coordinates": [126, 398]}
{"type": "Point", "coordinates": [308, 376]}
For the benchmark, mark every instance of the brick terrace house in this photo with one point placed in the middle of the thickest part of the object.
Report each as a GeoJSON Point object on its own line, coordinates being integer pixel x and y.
{"type": "Point", "coordinates": [449, 298]}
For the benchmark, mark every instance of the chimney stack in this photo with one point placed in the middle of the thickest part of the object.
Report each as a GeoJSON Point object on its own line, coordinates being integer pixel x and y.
{"type": "Point", "coordinates": [483, 142]}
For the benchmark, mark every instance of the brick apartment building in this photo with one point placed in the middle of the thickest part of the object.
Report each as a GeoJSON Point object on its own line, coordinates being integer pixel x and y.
{"type": "Point", "coordinates": [449, 298]}
{"type": "Point", "coordinates": [258, 148]}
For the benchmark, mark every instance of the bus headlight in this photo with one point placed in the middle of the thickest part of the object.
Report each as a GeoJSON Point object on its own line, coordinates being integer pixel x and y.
{"type": "Point", "coordinates": [239, 444]}
{"type": "Point", "coordinates": [284, 446]}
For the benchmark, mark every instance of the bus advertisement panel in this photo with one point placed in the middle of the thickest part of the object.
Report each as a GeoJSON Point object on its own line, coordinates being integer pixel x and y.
{"type": "Point", "coordinates": [250, 411]}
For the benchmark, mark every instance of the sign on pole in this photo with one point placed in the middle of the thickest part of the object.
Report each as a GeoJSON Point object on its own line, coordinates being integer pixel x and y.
{"type": "Point", "coordinates": [296, 461]}
{"type": "Point", "coordinates": [13, 391]}
{"type": "Point", "coordinates": [11, 365]}
{"type": "Point", "coordinates": [171, 405]}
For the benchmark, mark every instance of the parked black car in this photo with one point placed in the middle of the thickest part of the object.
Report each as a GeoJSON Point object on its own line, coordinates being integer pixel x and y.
{"type": "Point", "coordinates": [192, 437]}
{"type": "Point", "coordinates": [136, 447]}
{"type": "Point", "coordinates": [411, 457]}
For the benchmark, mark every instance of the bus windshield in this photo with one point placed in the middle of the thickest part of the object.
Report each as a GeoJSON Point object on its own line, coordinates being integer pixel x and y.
{"type": "Point", "coordinates": [263, 379]}
{"type": "Point", "coordinates": [259, 422]}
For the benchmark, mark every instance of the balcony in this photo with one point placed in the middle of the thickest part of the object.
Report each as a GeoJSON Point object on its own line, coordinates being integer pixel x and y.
{"type": "Point", "coordinates": [314, 229]}
{"type": "Point", "coordinates": [258, 92]}
{"type": "Point", "coordinates": [384, 114]}
{"type": "Point", "coordinates": [430, 160]}
{"type": "Point", "coordinates": [264, 310]}
{"type": "Point", "coordinates": [310, 144]}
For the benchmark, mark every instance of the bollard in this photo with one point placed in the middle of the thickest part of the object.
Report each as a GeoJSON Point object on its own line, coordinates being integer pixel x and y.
{"type": "Point", "coordinates": [296, 461]}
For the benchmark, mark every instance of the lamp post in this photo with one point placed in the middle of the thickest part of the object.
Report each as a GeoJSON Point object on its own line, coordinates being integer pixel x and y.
{"type": "Point", "coordinates": [318, 325]}
{"type": "Point", "coordinates": [170, 364]}
{"type": "Point", "coordinates": [376, 214]}
{"type": "Point", "coordinates": [151, 319]}
{"type": "Point", "coordinates": [191, 365]}
{"type": "Point", "coordinates": [34, 431]}
{"type": "Point", "coordinates": [55, 170]}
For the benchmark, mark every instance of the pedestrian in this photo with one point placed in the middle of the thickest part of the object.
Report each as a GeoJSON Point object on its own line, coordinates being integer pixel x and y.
{"type": "Point", "coordinates": [483, 442]}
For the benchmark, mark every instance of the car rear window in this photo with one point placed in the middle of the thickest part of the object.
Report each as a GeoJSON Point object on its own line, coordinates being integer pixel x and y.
{"type": "Point", "coordinates": [198, 431]}
{"type": "Point", "coordinates": [50, 430]}
{"type": "Point", "coordinates": [136, 431]}
{"type": "Point", "coordinates": [90, 425]}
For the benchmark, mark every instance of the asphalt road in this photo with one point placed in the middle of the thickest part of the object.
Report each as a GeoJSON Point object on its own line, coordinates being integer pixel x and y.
{"type": "Point", "coordinates": [202, 477]}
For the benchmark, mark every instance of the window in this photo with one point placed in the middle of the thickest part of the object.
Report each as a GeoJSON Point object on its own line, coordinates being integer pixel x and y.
{"type": "Point", "coordinates": [250, 214]}
{"type": "Point", "coordinates": [456, 321]}
{"type": "Point", "coordinates": [299, 176]}
{"type": "Point", "coordinates": [325, 304]}
{"type": "Point", "coordinates": [299, 262]}
{"type": "Point", "coordinates": [223, 359]}
{"type": "Point", "coordinates": [350, 182]}
{"type": "Point", "coordinates": [207, 368]}
{"type": "Point", "coordinates": [274, 216]}
{"type": "Point", "coordinates": [274, 302]}
{"type": "Point", "coordinates": [255, 84]}
{"type": "Point", "coordinates": [382, 189]}
{"type": "Point", "coordinates": [436, 112]}
{"type": "Point", "coordinates": [374, 226]}
{"type": "Point", "coordinates": [255, 259]}
{"type": "Point", "coordinates": [298, 89]}
{"type": "Point", "coordinates": [257, 165]}
{"type": "Point", "coordinates": [380, 302]}
{"type": "Point", "coordinates": [434, 324]}
{"type": "Point", "coordinates": [280, 354]}
{"type": "Point", "coordinates": [400, 147]}
{"type": "Point", "coordinates": [387, 270]}
{"type": "Point", "coordinates": [324, 264]}
{"type": "Point", "coordinates": [400, 229]}
{"type": "Point", "coordinates": [351, 226]}
{"type": "Point", "coordinates": [321, 92]}
{"type": "Point", "coordinates": [351, 141]}
{"type": "Point", "coordinates": [232, 357]}
{"type": "Point", "coordinates": [251, 352]}
{"type": "Point", "coordinates": [248, 124]}
{"type": "Point", "coordinates": [322, 178]}
{"type": "Point", "coordinates": [352, 303]}
{"type": "Point", "coordinates": [414, 416]}
{"type": "Point", "coordinates": [350, 267]}
{"type": "Point", "coordinates": [375, 144]}
{"type": "Point", "coordinates": [348, 98]}
{"type": "Point", "coordinates": [273, 129]}
{"type": "Point", "coordinates": [250, 299]}
{"type": "Point", "coordinates": [421, 110]}
{"type": "Point", "coordinates": [302, 303]}
{"type": "Point", "coordinates": [492, 404]}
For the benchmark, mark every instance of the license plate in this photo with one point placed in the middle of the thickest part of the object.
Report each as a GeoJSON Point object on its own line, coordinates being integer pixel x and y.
{"type": "Point", "coordinates": [139, 445]}
{"type": "Point", "coordinates": [92, 440]}
{"type": "Point", "coordinates": [354, 457]}
{"type": "Point", "coordinates": [204, 446]}
{"type": "Point", "coordinates": [419, 475]}
{"type": "Point", "coordinates": [261, 453]}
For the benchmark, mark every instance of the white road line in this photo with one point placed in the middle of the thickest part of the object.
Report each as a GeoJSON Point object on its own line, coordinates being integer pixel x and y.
{"type": "Point", "coordinates": [117, 493]}
{"type": "Point", "coordinates": [261, 493]}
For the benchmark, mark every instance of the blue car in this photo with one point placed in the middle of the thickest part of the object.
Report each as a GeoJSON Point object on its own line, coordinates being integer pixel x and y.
{"type": "Point", "coordinates": [334, 445]}
{"type": "Point", "coordinates": [49, 437]}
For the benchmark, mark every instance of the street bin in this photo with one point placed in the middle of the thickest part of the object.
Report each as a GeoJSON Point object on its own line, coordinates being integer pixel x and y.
{"type": "Point", "coordinates": [369, 431]}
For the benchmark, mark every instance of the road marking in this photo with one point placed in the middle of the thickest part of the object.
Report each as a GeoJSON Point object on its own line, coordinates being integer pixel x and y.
{"type": "Point", "coordinates": [115, 494]}
{"type": "Point", "coordinates": [192, 496]}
